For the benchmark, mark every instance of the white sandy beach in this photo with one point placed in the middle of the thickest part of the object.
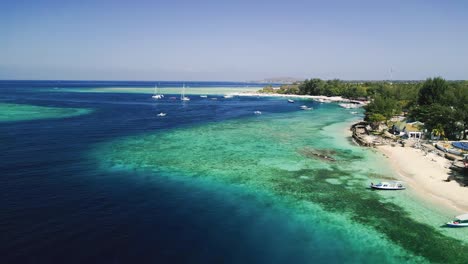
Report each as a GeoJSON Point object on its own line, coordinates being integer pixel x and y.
{"type": "Point", "coordinates": [328, 99]}
{"type": "Point", "coordinates": [426, 175]}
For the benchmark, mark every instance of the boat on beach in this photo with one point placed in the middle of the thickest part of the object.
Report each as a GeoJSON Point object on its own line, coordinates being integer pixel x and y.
{"type": "Point", "coordinates": [396, 185]}
{"type": "Point", "coordinates": [459, 221]}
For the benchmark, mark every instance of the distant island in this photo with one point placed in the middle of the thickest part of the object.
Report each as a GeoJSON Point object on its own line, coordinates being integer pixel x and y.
{"type": "Point", "coordinates": [282, 80]}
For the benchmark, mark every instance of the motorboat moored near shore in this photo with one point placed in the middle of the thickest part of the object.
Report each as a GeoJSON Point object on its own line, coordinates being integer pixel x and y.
{"type": "Point", "coordinates": [290, 101]}
{"type": "Point", "coordinates": [459, 221]}
{"type": "Point", "coordinates": [396, 185]}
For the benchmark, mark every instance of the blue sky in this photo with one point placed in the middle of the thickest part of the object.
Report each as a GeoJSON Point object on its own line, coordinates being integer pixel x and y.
{"type": "Point", "coordinates": [233, 40]}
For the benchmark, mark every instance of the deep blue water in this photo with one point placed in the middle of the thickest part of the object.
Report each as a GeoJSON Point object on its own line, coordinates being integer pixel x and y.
{"type": "Point", "coordinates": [68, 83]}
{"type": "Point", "coordinates": [57, 206]}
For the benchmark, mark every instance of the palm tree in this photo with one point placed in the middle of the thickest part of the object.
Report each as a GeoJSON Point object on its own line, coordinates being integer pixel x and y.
{"type": "Point", "coordinates": [438, 131]}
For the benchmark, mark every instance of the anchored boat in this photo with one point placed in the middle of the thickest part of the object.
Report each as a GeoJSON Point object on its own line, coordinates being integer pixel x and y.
{"type": "Point", "coordinates": [388, 186]}
{"type": "Point", "coordinates": [459, 221]}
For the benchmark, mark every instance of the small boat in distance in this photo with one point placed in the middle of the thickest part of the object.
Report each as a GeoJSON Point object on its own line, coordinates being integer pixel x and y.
{"type": "Point", "coordinates": [203, 96]}
{"type": "Point", "coordinates": [459, 221]}
{"type": "Point", "coordinates": [162, 114]}
{"type": "Point", "coordinates": [290, 101]}
{"type": "Point", "coordinates": [257, 112]}
{"type": "Point", "coordinates": [156, 94]}
{"type": "Point", "coordinates": [396, 185]}
{"type": "Point", "coordinates": [182, 95]}
{"type": "Point", "coordinates": [228, 96]}
{"type": "Point", "coordinates": [305, 107]}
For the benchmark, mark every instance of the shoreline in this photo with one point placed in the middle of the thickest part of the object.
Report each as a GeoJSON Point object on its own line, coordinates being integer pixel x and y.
{"type": "Point", "coordinates": [426, 175]}
{"type": "Point", "coordinates": [320, 98]}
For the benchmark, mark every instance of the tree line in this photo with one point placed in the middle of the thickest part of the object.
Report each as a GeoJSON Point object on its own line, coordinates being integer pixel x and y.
{"type": "Point", "coordinates": [441, 105]}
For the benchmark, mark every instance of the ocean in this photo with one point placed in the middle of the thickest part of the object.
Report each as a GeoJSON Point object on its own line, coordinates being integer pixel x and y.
{"type": "Point", "coordinates": [91, 174]}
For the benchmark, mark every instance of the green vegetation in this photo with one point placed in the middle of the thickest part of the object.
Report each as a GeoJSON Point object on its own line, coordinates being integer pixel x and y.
{"type": "Point", "coordinates": [441, 105]}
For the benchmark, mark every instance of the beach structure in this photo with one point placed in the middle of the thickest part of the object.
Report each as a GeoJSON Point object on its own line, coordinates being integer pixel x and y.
{"type": "Point", "coordinates": [461, 145]}
{"type": "Point", "coordinates": [414, 135]}
{"type": "Point", "coordinates": [407, 130]}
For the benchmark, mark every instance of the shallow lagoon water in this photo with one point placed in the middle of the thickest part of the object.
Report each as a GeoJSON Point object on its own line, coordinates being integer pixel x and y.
{"type": "Point", "coordinates": [267, 154]}
{"type": "Point", "coordinates": [211, 182]}
{"type": "Point", "coordinates": [19, 112]}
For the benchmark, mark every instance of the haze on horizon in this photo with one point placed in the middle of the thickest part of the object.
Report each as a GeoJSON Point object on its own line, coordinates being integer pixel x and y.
{"type": "Point", "coordinates": [235, 40]}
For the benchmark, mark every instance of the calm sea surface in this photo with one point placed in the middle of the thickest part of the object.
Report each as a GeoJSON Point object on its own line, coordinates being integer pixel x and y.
{"type": "Point", "coordinates": [211, 182]}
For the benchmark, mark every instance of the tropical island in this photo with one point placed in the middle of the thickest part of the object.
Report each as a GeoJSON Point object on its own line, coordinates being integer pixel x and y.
{"type": "Point", "coordinates": [421, 126]}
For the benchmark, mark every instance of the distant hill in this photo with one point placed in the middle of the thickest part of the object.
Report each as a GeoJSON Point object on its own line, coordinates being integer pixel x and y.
{"type": "Point", "coordinates": [280, 80]}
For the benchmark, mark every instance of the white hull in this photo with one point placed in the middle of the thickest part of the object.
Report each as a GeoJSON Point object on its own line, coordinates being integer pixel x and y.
{"type": "Point", "coordinates": [391, 186]}
{"type": "Point", "coordinates": [452, 224]}
{"type": "Point", "coordinates": [387, 188]}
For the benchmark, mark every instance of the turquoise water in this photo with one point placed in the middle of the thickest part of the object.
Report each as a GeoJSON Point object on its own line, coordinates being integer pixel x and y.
{"type": "Point", "coordinates": [273, 158]}
{"type": "Point", "coordinates": [209, 183]}
{"type": "Point", "coordinates": [21, 112]}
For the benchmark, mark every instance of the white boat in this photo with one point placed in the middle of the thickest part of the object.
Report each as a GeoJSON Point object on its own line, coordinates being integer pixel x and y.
{"type": "Point", "coordinates": [322, 100]}
{"type": "Point", "coordinates": [257, 112]}
{"type": "Point", "coordinates": [396, 185]}
{"type": "Point", "coordinates": [162, 114]}
{"type": "Point", "coordinates": [305, 107]}
{"type": "Point", "coordinates": [203, 96]}
{"type": "Point", "coordinates": [459, 221]}
{"type": "Point", "coordinates": [350, 106]}
{"type": "Point", "coordinates": [156, 94]}
{"type": "Point", "coordinates": [228, 96]}
{"type": "Point", "coordinates": [290, 101]}
{"type": "Point", "coordinates": [182, 95]}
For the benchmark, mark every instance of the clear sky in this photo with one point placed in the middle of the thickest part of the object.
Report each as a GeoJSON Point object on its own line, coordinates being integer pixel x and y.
{"type": "Point", "coordinates": [232, 40]}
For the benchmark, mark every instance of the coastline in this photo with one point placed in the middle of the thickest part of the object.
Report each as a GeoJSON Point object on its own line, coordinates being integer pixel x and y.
{"type": "Point", "coordinates": [426, 175]}
{"type": "Point", "coordinates": [321, 98]}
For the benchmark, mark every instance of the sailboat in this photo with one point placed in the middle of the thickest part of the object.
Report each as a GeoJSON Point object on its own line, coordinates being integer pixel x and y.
{"type": "Point", "coordinates": [182, 96]}
{"type": "Point", "coordinates": [156, 94]}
